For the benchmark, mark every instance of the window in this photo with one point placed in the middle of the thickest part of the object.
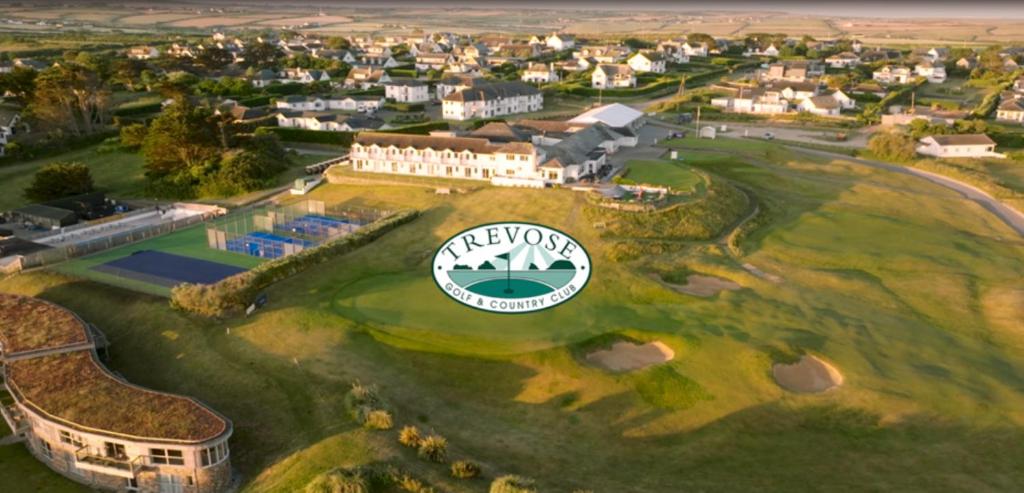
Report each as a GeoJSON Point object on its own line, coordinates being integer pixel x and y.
{"type": "Point", "coordinates": [168, 483]}
{"type": "Point", "coordinates": [44, 447]}
{"type": "Point", "coordinates": [166, 456]}
{"type": "Point", "coordinates": [73, 440]}
{"type": "Point", "coordinates": [213, 455]}
{"type": "Point", "coordinates": [114, 450]}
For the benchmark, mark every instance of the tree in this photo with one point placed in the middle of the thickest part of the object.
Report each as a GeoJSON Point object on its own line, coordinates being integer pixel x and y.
{"type": "Point", "coordinates": [58, 180]}
{"type": "Point", "coordinates": [337, 43]}
{"type": "Point", "coordinates": [214, 58]}
{"type": "Point", "coordinates": [261, 55]}
{"type": "Point", "coordinates": [71, 98]}
{"type": "Point", "coordinates": [21, 83]}
{"type": "Point", "coordinates": [892, 146]}
{"type": "Point", "coordinates": [181, 141]}
{"type": "Point", "coordinates": [701, 38]}
{"type": "Point", "coordinates": [127, 72]}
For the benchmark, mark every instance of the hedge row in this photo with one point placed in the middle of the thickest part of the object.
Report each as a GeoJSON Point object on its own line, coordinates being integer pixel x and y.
{"type": "Point", "coordinates": [402, 72]}
{"type": "Point", "coordinates": [419, 128]}
{"type": "Point", "coordinates": [255, 101]}
{"type": "Point", "coordinates": [285, 89]}
{"type": "Point", "coordinates": [311, 136]}
{"type": "Point", "coordinates": [235, 293]}
{"type": "Point", "coordinates": [640, 91]}
{"type": "Point", "coordinates": [405, 107]}
{"type": "Point", "coordinates": [17, 151]}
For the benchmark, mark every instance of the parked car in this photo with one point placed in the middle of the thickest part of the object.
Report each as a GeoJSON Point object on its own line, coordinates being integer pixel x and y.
{"type": "Point", "coordinates": [769, 136]}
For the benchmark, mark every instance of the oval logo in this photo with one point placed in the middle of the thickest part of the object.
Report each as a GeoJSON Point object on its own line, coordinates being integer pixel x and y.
{"type": "Point", "coordinates": [511, 267]}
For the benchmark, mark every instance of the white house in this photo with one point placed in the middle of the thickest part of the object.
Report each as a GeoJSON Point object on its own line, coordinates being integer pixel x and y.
{"type": "Point", "coordinates": [377, 61]}
{"type": "Point", "coordinates": [820, 105]}
{"type": "Point", "coordinates": [846, 59]}
{"type": "Point", "coordinates": [301, 103]}
{"type": "Point", "coordinates": [327, 122]}
{"type": "Point", "coordinates": [539, 73]}
{"type": "Point", "coordinates": [407, 91]}
{"type": "Point", "coordinates": [845, 101]}
{"type": "Point", "coordinates": [933, 71]}
{"type": "Point", "coordinates": [560, 42]}
{"type": "Point", "coordinates": [892, 75]}
{"type": "Point", "coordinates": [361, 104]}
{"type": "Point", "coordinates": [491, 100]}
{"type": "Point", "coordinates": [456, 83]}
{"type": "Point", "coordinates": [1011, 110]}
{"type": "Point", "coordinates": [610, 76]}
{"type": "Point", "coordinates": [958, 146]}
{"type": "Point", "coordinates": [648, 61]}
{"type": "Point", "coordinates": [760, 101]}
{"type": "Point", "coordinates": [795, 91]}
{"type": "Point", "coordinates": [303, 76]}
{"type": "Point", "coordinates": [694, 49]}
{"type": "Point", "coordinates": [602, 54]}
{"type": "Point", "coordinates": [366, 77]}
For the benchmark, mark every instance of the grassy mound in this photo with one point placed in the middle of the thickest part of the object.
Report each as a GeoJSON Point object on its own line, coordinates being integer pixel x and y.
{"type": "Point", "coordinates": [700, 219]}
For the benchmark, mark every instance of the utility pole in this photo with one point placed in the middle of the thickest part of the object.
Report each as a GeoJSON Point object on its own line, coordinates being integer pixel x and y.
{"type": "Point", "coordinates": [697, 127]}
{"type": "Point", "coordinates": [682, 86]}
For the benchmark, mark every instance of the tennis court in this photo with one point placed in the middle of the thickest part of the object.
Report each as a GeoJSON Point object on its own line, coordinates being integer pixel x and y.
{"type": "Point", "coordinates": [166, 269]}
{"type": "Point", "coordinates": [317, 226]}
{"type": "Point", "coordinates": [267, 245]}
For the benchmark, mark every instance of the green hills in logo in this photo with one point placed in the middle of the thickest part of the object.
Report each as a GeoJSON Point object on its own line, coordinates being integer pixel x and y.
{"type": "Point", "coordinates": [496, 277]}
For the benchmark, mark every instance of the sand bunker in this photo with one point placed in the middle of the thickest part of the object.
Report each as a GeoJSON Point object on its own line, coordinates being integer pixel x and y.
{"type": "Point", "coordinates": [626, 356]}
{"type": "Point", "coordinates": [809, 375]}
{"type": "Point", "coordinates": [703, 286]}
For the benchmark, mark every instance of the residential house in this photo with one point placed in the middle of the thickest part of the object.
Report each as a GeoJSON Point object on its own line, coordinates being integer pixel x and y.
{"type": "Point", "coordinates": [366, 77]}
{"type": "Point", "coordinates": [958, 146]}
{"type": "Point", "coordinates": [611, 76]}
{"type": "Point", "coordinates": [407, 90]}
{"type": "Point", "coordinates": [10, 125]}
{"type": "Point", "coordinates": [795, 91]}
{"type": "Point", "coordinates": [792, 71]}
{"type": "Point", "coordinates": [1011, 111]}
{"type": "Point", "coordinates": [361, 104]}
{"type": "Point", "coordinates": [301, 103]}
{"type": "Point", "coordinates": [759, 101]}
{"type": "Point", "coordinates": [328, 122]}
{"type": "Point", "coordinates": [602, 54]}
{"type": "Point", "coordinates": [346, 56]}
{"type": "Point", "coordinates": [934, 72]}
{"type": "Point", "coordinates": [820, 105]}
{"type": "Point", "coordinates": [846, 59]}
{"type": "Point", "coordinates": [844, 100]}
{"type": "Point", "coordinates": [539, 73]}
{"type": "Point", "coordinates": [377, 61]}
{"type": "Point", "coordinates": [968, 62]}
{"type": "Point", "coordinates": [491, 100]}
{"type": "Point", "coordinates": [433, 61]}
{"type": "Point", "coordinates": [574, 65]}
{"type": "Point", "coordinates": [456, 83]}
{"type": "Point", "coordinates": [890, 74]}
{"type": "Point", "coordinates": [647, 61]}
{"type": "Point", "coordinates": [869, 87]}
{"type": "Point", "coordinates": [560, 42]}
{"type": "Point", "coordinates": [900, 116]}
{"type": "Point", "coordinates": [303, 76]}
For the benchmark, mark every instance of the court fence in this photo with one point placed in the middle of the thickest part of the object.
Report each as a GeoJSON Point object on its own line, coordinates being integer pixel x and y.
{"type": "Point", "coordinates": [95, 245]}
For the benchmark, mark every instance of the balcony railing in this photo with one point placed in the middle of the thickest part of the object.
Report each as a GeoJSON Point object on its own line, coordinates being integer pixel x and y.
{"type": "Point", "coordinates": [120, 467]}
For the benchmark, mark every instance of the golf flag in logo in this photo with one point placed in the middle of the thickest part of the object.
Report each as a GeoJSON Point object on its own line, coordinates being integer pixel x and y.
{"type": "Point", "coordinates": [511, 267]}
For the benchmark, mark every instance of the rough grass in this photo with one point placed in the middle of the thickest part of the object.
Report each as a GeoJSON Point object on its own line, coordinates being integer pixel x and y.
{"type": "Point", "coordinates": [120, 174]}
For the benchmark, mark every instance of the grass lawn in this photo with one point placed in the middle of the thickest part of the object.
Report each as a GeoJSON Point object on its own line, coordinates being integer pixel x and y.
{"type": "Point", "coordinates": [189, 242]}
{"type": "Point", "coordinates": [662, 172]}
{"type": "Point", "coordinates": [912, 292]}
{"type": "Point", "coordinates": [120, 174]}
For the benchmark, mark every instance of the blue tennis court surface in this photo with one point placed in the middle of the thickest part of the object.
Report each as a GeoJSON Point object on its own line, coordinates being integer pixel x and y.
{"type": "Point", "coordinates": [318, 226]}
{"type": "Point", "coordinates": [266, 245]}
{"type": "Point", "coordinates": [167, 269]}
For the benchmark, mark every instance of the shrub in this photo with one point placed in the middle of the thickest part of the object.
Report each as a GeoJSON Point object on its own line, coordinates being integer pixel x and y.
{"type": "Point", "coordinates": [60, 179]}
{"type": "Point", "coordinates": [464, 469]}
{"type": "Point", "coordinates": [310, 136]}
{"type": "Point", "coordinates": [892, 146]}
{"type": "Point", "coordinates": [338, 481]}
{"type": "Point", "coordinates": [410, 437]}
{"type": "Point", "coordinates": [434, 448]}
{"type": "Point", "coordinates": [133, 135]}
{"type": "Point", "coordinates": [513, 484]}
{"type": "Point", "coordinates": [378, 419]}
{"type": "Point", "coordinates": [408, 483]}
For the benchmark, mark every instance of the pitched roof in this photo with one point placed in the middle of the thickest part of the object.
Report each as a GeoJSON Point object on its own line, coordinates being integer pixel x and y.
{"type": "Point", "coordinates": [457, 144]}
{"type": "Point", "coordinates": [500, 131]}
{"type": "Point", "coordinates": [611, 70]}
{"type": "Point", "coordinates": [824, 102]}
{"type": "Point", "coordinates": [962, 140]}
{"type": "Point", "coordinates": [496, 90]}
{"type": "Point", "coordinates": [1012, 105]}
